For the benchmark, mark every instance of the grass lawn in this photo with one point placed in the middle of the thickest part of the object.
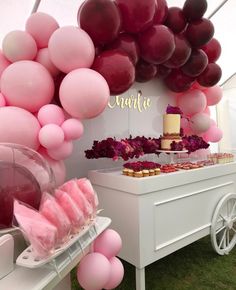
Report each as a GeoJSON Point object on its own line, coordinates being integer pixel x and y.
{"type": "Point", "coordinates": [195, 267]}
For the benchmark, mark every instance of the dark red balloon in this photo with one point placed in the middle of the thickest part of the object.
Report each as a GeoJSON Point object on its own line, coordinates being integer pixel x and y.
{"type": "Point", "coordinates": [145, 71]}
{"type": "Point", "coordinates": [128, 44]}
{"type": "Point", "coordinates": [100, 19]}
{"type": "Point", "coordinates": [57, 82]}
{"type": "Point", "coordinates": [196, 63]}
{"type": "Point", "coordinates": [161, 12]}
{"type": "Point", "coordinates": [211, 75]}
{"type": "Point", "coordinates": [194, 9]}
{"type": "Point", "coordinates": [212, 50]}
{"type": "Point", "coordinates": [136, 15]}
{"type": "Point", "coordinates": [177, 82]}
{"type": "Point", "coordinates": [16, 182]}
{"type": "Point", "coordinates": [157, 44]}
{"type": "Point", "coordinates": [162, 71]}
{"type": "Point", "coordinates": [176, 20]}
{"type": "Point", "coordinates": [181, 53]}
{"type": "Point", "coordinates": [117, 68]}
{"type": "Point", "coordinates": [200, 32]}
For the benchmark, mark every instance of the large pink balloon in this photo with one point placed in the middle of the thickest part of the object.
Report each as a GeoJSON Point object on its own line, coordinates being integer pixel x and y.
{"type": "Point", "coordinates": [176, 20]}
{"type": "Point", "coordinates": [207, 111]}
{"type": "Point", "coordinates": [100, 19]}
{"type": "Point", "coordinates": [196, 63]}
{"type": "Point", "coordinates": [4, 62]}
{"type": "Point", "coordinates": [136, 15]}
{"type": "Point", "coordinates": [71, 48]}
{"type": "Point", "coordinates": [44, 58]}
{"type": "Point", "coordinates": [94, 271]}
{"type": "Point", "coordinates": [213, 95]}
{"type": "Point", "coordinates": [41, 26]}
{"type": "Point", "coordinates": [214, 134]}
{"type": "Point", "coordinates": [157, 44]}
{"type": "Point", "coordinates": [116, 275]}
{"type": "Point", "coordinates": [200, 123]}
{"type": "Point", "coordinates": [161, 12]}
{"type": "Point", "coordinates": [80, 98]}
{"type": "Point", "coordinates": [33, 85]}
{"type": "Point", "coordinates": [2, 101]}
{"type": "Point", "coordinates": [51, 114]}
{"type": "Point", "coordinates": [210, 76]}
{"type": "Point", "coordinates": [192, 102]}
{"type": "Point", "coordinates": [212, 50]}
{"type": "Point", "coordinates": [19, 126]}
{"type": "Point", "coordinates": [178, 82]}
{"type": "Point", "coordinates": [117, 69]}
{"type": "Point", "coordinates": [19, 45]}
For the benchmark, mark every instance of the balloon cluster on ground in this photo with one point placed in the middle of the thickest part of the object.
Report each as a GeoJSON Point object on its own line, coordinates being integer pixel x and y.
{"type": "Point", "coordinates": [101, 269]}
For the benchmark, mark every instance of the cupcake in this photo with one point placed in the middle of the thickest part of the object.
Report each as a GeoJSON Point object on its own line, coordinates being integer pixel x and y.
{"type": "Point", "coordinates": [145, 172]}
{"type": "Point", "coordinates": [138, 174]}
{"type": "Point", "coordinates": [151, 172]}
{"type": "Point", "coordinates": [125, 171]}
{"type": "Point", "coordinates": [157, 171]}
{"type": "Point", "coordinates": [130, 172]}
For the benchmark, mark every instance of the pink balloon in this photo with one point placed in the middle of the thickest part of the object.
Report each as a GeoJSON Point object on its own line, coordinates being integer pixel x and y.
{"type": "Point", "coordinates": [4, 62]}
{"type": "Point", "coordinates": [200, 123]}
{"type": "Point", "coordinates": [19, 45]}
{"type": "Point", "coordinates": [213, 95]}
{"type": "Point", "coordinates": [94, 271]}
{"type": "Point", "coordinates": [81, 99]}
{"type": "Point", "coordinates": [44, 58]}
{"type": "Point", "coordinates": [51, 114]}
{"type": "Point", "coordinates": [117, 273]}
{"type": "Point", "coordinates": [51, 136]}
{"type": "Point", "coordinates": [207, 111]}
{"type": "Point", "coordinates": [71, 48]}
{"type": "Point", "coordinates": [19, 126]}
{"type": "Point", "coordinates": [41, 26]}
{"type": "Point", "coordinates": [73, 129]}
{"type": "Point", "coordinates": [108, 243]}
{"type": "Point", "coordinates": [184, 123]}
{"type": "Point", "coordinates": [2, 101]}
{"type": "Point", "coordinates": [192, 102]}
{"type": "Point", "coordinates": [61, 152]}
{"type": "Point", "coordinates": [214, 134]}
{"type": "Point", "coordinates": [33, 85]}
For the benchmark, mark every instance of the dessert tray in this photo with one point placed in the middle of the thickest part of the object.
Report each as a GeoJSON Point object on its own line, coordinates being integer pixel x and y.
{"type": "Point", "coordinates": [172, 153]}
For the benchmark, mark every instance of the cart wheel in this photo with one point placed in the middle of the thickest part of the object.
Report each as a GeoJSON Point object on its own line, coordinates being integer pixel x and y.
{"type": "Point", "coordinates": [223, 227]}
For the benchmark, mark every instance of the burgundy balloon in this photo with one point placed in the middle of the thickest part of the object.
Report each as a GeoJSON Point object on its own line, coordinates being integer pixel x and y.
{"type": "Point", "coordinates": [57, 82]}
{"type": "Point", "coordinates": [162, 71]}
{"type": "Point", "coordinates": [117, 68]}
{"type": "Point", "coordinates": [136, 15]}
{"type": "Point", "coordinates": [157, 44]}
{"type": "Point", "coordinates": [161, 12]}
{"type": "Point", "coordinates": [181, 53]}
{"type": "Point", "coordinates": [200, 32]}
{"type": "Point", "coordinates": [211, 75]}
{"type": "Point", "coordinates": [16, 182]}
{"type": "Point", "coordinates": [176, 20]}
{"type": "Point", "coordinates": [177, 82]}
{"type": "Point", "coordinates": [144, 71]}
{"type": "Point", "coordinates": [194, 9]}
{"type": "Point", "coordinates": [128, 44]}
{"type": "Point", "coordinates": [196, 63]}
{"type": "Point", "coordinates": [100, 19]}
{"type": "Point", "coordinates": [212, 50]}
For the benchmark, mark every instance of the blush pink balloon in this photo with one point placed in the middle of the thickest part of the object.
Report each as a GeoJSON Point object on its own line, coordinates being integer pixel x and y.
{"type": "Point", "coordinates": [214, 134]}
{"type": "Point", "coordinates": [19, 126]}
{"type": "Point", "coordinates": [116, 275]}
{"type": "Point", "coordinates": [44, 58]}
{"type": "Point", "coordinates": [51, 114]}
{"type": "Point", "coordinates": [71, 48]}
{"type": "Point", "coordinates": [108, 243]}
{"type": "Point", "coordinates": [4, 62]}
{"type": "Point", "coordinates": [19, 45]}
{"type": "Point", "coordinates": [94, 271]}
{"type": "Point", "coordinates": [33, 85]}
{"type": "Point", "coordinates": [41, 26]}
{"type": "Point", "coordinates": [200, 123]}
{"type": "Point", "coordinates": [213, 95]}
{"type": "Point", "coordinates": [61, 152]}
{"type": "Point", "coordinates": [192, 102]}
{"type": "Point", "coordinates": [73, 129]}
{"type": "Point", "coordinates": [2, 101]}
{"type": "Point", "coordinates": [51, 136]}
{"type": "Point", "coordinates": [184, 123]}
{"type": "Point", "coordinates": [81, 99]}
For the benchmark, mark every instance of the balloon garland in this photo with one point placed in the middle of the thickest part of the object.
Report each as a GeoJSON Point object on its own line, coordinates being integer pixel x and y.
{"type": "Point", "coordinates": [46, 71]}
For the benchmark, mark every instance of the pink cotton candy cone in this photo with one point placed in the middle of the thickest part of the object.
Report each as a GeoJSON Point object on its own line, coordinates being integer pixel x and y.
{"type": "Point", "coordinates": [73, 212]}
{"type": "Point", "coordinates": [79, 198]}
{"type": "Point", "coordinates": [86, 187]}
{"type": "Point", "coordinates": [55, 214]}
{"type": "Point", "coordinates": [41, 234]}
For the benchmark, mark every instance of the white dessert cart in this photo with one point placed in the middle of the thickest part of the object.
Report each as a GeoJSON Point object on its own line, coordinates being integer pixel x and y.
{"type": "Point", "coordinates": [158, 215]}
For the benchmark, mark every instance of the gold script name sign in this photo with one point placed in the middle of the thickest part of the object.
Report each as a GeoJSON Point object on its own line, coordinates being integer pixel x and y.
{"type": "Point", "coordinates": [138, 102]}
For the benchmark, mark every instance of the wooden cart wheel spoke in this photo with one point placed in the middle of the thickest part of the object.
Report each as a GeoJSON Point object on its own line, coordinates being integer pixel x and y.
{"type": "Point", "coordinates": [222, 239]}
{"type": "Point", "coordinates": [232, 211]}
{"type": "Point", "coordinates": [233, 229]}
{"type": "Point", "coordinates": [220, 229]}
{"type": "Point", "coordinates": [223, 217]}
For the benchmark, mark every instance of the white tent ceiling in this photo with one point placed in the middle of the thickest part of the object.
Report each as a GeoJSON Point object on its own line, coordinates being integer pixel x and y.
{"type": "Point", "coordinates": [13, 15]}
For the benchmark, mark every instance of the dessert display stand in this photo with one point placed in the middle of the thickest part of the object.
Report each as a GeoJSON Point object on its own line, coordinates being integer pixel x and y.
{"type": "Point", "coordinates": [158, 215]}
{"type": "Point", "coordinates": [172, 154]}
{"type": "Point", "coordinates": [29, 273]}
